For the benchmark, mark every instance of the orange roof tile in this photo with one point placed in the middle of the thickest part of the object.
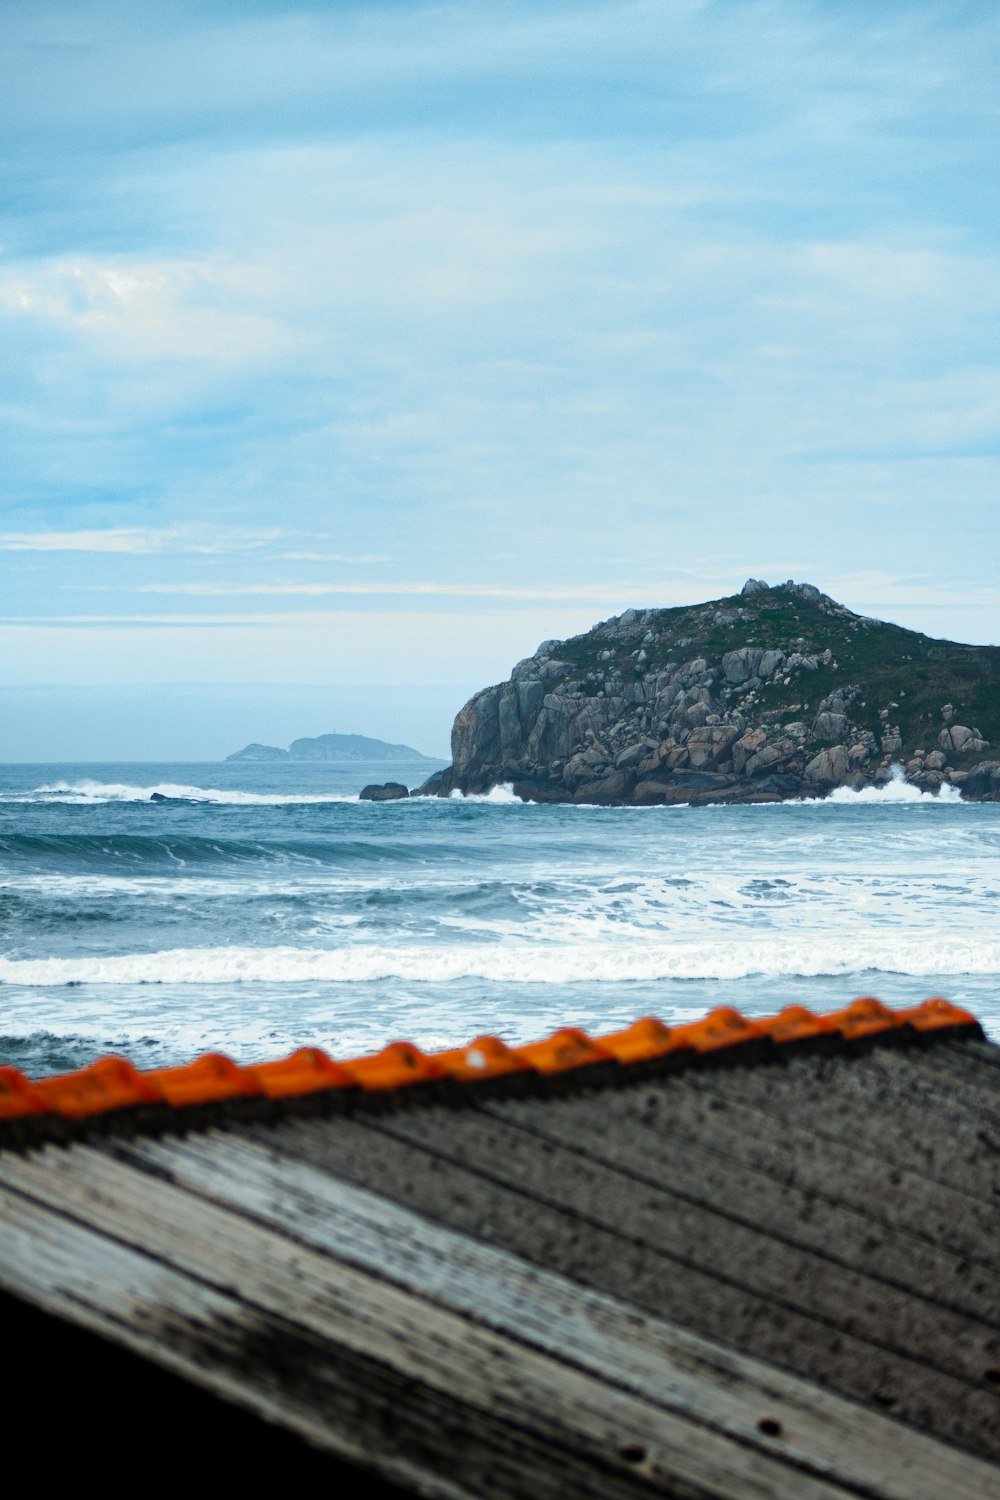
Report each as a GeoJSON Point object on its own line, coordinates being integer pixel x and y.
{"type": "Point", "coordinates": [113, 1084]}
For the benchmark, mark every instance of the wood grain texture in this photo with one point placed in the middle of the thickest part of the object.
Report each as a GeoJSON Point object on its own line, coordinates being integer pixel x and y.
{"type": "Point", "coordinates": [690, 1118]}
{"type": "Point", "coordinates": [430, 1304]}
{"type": "Point", "coordinates": [709, 1159]}
{"type": "Point", "coordinates": [357, 1355]}
{"type": "Point", "coordinates": [805, 1278]}
{"type": "Point", "coordinates": [569, 1226]}
{"type": "Point", "coordinates": [739, 1281]}
{"type": "Point", "coordinates": [884, 1104]}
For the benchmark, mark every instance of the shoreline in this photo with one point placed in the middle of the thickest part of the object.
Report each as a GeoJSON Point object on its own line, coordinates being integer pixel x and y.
{"type": "Point", "coordinates": [697, 788]}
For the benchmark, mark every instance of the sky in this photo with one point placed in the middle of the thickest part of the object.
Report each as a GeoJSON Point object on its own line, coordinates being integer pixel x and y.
{"type": "Point", "coordinates": [349, 350]}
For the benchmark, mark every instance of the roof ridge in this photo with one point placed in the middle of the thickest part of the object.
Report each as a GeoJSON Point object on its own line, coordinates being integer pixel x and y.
{"type": "Point", "coordinates": [113, 1084]}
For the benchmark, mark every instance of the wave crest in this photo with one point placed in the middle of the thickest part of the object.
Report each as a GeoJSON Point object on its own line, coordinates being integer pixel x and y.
{"type": "Point", "coordinates": [88, 792]}
{"type": "Point", "coordinates": [503, 793]}
{"type": "Point", "coordinates": [807, 956]}
{"type": "Point", "coordinates": [897, 789]}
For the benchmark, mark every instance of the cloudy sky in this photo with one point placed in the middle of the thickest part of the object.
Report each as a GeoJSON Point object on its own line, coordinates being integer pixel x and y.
{"type": "Point", "coordinates": [361, 346]}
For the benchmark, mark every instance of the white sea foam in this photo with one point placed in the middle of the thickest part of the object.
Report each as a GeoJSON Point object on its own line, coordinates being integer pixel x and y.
{"type": "Point", "coordinates": [807, 956]}
{"type": "Point", "coordinates": [502, 793]}
{"type": "Point", "coordinates": [559, 916]}
{"type": "Point", "coordinates": [119, 791]}
{"type": "Point", "coordinates": [898, 789]}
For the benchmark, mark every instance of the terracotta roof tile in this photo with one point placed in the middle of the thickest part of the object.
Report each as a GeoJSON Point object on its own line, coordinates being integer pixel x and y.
{"type": "Point", "coordinates": [113, 1084]}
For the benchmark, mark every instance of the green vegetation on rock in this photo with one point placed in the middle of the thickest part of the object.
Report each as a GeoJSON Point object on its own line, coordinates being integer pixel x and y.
{"type": "Point", "coordinates": [769, 693]}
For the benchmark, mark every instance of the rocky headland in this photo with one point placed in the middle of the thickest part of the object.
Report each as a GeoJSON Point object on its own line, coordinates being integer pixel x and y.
{"type": "Point", "coordinates": [772, 693]}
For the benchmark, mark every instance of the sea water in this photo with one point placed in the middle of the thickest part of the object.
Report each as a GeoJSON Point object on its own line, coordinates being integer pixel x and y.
{"type": "Point", "coordinates": [266, 907]}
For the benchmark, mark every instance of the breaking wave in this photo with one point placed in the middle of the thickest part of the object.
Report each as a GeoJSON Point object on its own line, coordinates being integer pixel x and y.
{"type": "Point", "coordinates": [503, 793]}
{"type": "Point", "coordinates": [898, 789]}
{"type": "Point", "coordinates": [810, 956]}
{"type": "Point", "coordinates": [69, 853]}
{"type": "Point", "coordinates": [96, 792]}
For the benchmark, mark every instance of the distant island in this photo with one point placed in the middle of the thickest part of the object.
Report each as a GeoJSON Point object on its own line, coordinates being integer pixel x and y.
{"type": "Point", "coordinates": [771, 693]}
{"type": "Point", "coordinates": [341, 747]}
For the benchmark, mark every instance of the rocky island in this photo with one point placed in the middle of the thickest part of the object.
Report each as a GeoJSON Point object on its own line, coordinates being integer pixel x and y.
{"type": "Point", "coordinates": [772, 693]}
{"type": "Point", "coordinates": [340, 747]}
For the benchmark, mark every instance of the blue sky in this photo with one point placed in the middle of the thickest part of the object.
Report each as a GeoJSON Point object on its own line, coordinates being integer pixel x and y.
{"type": "Point", "coordinates": [358, 345]}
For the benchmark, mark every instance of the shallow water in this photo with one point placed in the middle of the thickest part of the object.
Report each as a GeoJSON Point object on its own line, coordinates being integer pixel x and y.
{"type": "Point", "coordinates": [273, 909]}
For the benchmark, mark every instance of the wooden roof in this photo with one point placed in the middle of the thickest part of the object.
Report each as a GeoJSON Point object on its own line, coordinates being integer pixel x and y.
{"type": "Point", "coordinates": [707, 1270]}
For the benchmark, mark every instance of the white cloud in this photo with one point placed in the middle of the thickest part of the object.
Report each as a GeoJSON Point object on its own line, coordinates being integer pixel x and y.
{"type": "Point", "coordinates": [614, 285]}
{"type": "Point", "coordinates": [597, 592]}
{"type": "Point", "coordinates": [887, 271]}
{"type": "Point", "coordinates": [871, 590]}
{"type": "Point", "coordinates": [115, 539]}
{"type": "Point", "coordinates": [336, 557]}
{"type": "Point", "coordinates": [158, 310]}
{"type": "Point", "coordinates": [136, 539]}
{"type": "Point", "coordinates": [866, 592]}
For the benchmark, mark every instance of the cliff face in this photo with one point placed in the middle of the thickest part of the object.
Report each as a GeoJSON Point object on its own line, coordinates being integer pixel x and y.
{"type": "Point", "coordinates": [771, 693]}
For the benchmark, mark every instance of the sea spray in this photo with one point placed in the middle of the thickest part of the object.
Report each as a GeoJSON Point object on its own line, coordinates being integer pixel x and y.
{"type": "Point", "coordinates": [284, 912]}
{"type": "Point", "coordinates": [896, 789]}
{"type": "Point", "coordinates": [90, 793]}
{"type": "Point", "coordinates": [598, 961]}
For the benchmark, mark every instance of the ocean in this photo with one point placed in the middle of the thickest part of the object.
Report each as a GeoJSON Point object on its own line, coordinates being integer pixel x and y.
{"type": "Point", "coordinates": [267, 908]}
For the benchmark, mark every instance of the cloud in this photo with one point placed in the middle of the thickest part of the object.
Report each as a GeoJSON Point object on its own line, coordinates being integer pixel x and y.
{"type": "Point", "coordinates": [539, 294]}
{"type": "Point", "coordinates": [134, 309]}
{"type": "Point", "coordinates": [595, 592]}
{"type": "Point", "coordinates": [866, 592]}
{"type": "Point", "coordinates": [134, 539]}
{"type": "Point", "coordinates": [336, 557]}
{"type": "Point", "coordinates": [871, 590]}
{"type": "Point", "coordinates": [326, 647]}
{"type": "Point", "coordinates": [117, 539]}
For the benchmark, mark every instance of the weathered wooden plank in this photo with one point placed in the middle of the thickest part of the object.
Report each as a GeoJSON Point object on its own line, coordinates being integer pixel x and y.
{"type": "Point", "coordinates": [198, 1333]}
{"type": "Point", "coordinates": [959, 1094]}
{"type": "Point", "coordinates": [620, 1135]}
{"type": "Point", "coordinates": [659, 1361]}
{"type": "Point", "coordinates": [808, 1281]}
{"type": "Point", "coordinates": [970, 1051]}
{"type": "Point", "coordinates": [597, 1255]}
{"type": "Point", "coordinates": [900, 1200]}
{"type": "Point", "coordinates": [855, 1110]}
{"type": "Point", "coordinates": [346, 1340]}
{"type": "Point", "coordinates": [948, 1095]}
{"type": "Point", "coordinates": [978, 1062]}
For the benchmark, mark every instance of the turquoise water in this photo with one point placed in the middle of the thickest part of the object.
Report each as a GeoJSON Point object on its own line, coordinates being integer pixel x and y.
{"type": "Point", "coordinates": [266, 908]}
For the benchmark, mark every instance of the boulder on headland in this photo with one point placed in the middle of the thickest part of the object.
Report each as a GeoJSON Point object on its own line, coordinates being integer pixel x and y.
{"type": "Point", "coordinates": [438, 784]}
{"type": "Point", "coordinates": [963, 739]}
{"type": "Point", "coordinates": [982, 783]}
{"type": "Point", "coordinates": [767, 694]}
{"type": "Point", "coordinates": [829, 767]}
